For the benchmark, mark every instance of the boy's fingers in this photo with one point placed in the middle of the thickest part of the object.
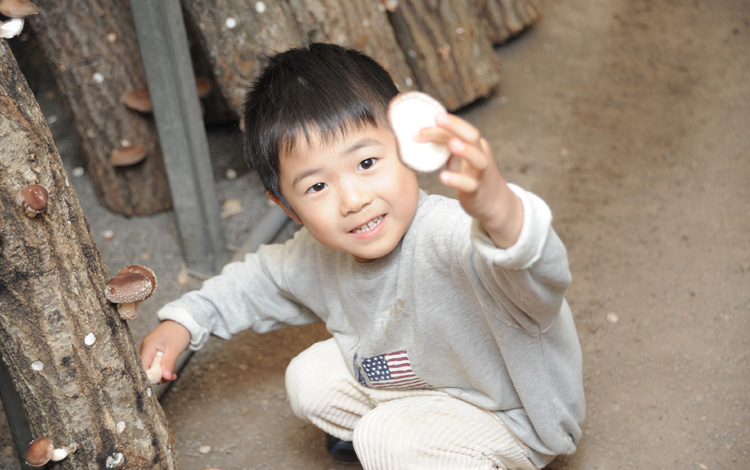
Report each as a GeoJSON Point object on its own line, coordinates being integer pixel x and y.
{"type": "Point", "coordinates": [147, 356]}
{"type": "Point", "coordinates": [474, 158]}
{"type": "Point", "coordinates": [462, 129]}
{"type": "Point", "coordinates": [454, 163]}
{"type": "Point", "coordinates": [459, 182]}
{"type": "Point", "coordinates": [167, 366]}
{"type": "Point", "coordinates": [434, 134]}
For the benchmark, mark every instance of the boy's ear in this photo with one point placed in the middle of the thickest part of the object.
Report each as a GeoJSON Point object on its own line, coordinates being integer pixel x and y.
{"type": "Point", "coordinates": [283, 206]}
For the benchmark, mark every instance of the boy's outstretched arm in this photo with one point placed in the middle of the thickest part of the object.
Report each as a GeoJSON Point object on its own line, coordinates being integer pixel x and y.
{"type": "Point", "coordinates": [170, 338]}
{"type": "Point", "coordinates": [472, 172]}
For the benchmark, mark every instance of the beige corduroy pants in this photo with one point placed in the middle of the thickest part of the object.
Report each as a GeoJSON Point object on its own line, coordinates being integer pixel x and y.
{"type": "Point", "coordinates": [398, 429]}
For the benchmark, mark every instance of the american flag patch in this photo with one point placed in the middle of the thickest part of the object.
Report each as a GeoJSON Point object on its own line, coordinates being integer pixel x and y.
{"type": "Point", "coordinates": [391, 370]}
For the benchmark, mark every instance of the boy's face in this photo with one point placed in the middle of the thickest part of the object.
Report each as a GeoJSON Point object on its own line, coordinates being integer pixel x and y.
{"type": "Point", "coordinates": [353, 195]}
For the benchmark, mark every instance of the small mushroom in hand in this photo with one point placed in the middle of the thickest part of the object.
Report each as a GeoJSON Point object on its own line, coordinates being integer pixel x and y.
{"type": "Point", "coordinates": [42, 450]}
{"type": "Point", "coordinates": [33, 199]}
{"type": "Point", "coordinates": [407, 113]}
{"type": "Point", "coordinates": [130, 286]}
{"type": "Point", "coordinates": [154, 372]}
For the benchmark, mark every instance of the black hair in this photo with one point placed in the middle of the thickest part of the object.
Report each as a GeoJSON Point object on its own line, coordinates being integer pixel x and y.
{"type": "Point", "coordinates": [321, 90]}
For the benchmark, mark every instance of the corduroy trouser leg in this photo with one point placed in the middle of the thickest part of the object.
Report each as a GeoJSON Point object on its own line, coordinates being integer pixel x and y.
{"type": "Point", "coordinates": [398, 429]}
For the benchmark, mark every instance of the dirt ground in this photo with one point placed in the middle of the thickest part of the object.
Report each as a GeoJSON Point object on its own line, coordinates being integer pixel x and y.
{"type": "Point", "coordinates": [631, 118]}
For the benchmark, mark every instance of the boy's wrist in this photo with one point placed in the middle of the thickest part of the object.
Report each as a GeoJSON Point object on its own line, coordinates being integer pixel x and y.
{"type": "Point", "coordinates": [181, 316]}
{"type": "Point", "coordinates": [504, 224]}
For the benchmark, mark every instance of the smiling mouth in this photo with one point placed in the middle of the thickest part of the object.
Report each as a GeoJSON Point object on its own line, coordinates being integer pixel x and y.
{"type": "Point", "coordinates": [369, 225]}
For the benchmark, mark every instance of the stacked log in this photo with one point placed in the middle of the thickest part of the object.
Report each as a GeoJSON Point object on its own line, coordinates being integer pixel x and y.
{"type": "Point", "coordinates": [93, 49]}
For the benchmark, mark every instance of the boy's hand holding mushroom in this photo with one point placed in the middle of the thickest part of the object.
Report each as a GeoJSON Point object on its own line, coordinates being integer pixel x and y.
{"type": "Point", "coordinates": [472, 172]}
{"type": "Point", "coordinates": [169, 339]}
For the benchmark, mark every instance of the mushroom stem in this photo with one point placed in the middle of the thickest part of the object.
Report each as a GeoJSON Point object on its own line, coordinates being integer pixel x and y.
{"type": "Point", "coordinates": [59, 454]}
{"type": "Point", "coordinates": [128, 311]}
{"type": "Point", "coordinates": [62, 452]}
{"type": "Point", "coordinates": [154, 372]}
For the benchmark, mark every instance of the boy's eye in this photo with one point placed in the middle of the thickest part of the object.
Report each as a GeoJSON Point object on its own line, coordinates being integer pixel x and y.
{"type": "Point", "coordinates": [367, 163]}
{"type": "Point", "coordinates": [317, 187]}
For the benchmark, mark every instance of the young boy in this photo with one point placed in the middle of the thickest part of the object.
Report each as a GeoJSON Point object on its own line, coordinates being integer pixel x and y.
{"type": "Point", "coordinates": [453, 346]}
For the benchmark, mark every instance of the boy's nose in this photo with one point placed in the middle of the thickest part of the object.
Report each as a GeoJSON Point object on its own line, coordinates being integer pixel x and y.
{"type": "Point", "coordinates": [354, 197]}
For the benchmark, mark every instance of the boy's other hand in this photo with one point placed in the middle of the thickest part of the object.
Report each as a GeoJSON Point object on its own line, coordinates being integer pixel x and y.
{"type": "Point", "coordinates": [471, 171]}
{"type": "Point", "coordinates": [171, 339]}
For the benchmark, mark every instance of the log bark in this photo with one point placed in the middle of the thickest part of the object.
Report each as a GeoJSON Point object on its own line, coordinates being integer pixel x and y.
{"type": "Point", "coordinates": [447, 48]}
{"type": "Point", "coordinates": [237, 36]}
{"type": "Point", "coordinates": [93, 49]}
{"type": "Point", "coordinates": [504, 19]}
{"type": "Point", "coordinates": [52, 298]}
{"type": "Point", "coordinates": [361, 25]}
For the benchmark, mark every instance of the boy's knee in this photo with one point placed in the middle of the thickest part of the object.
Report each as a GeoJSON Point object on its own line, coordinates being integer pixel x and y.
{"type": "Point", "coordinates": [311, 379]}
{"type": "Point", "coordinates": [437, 433]}
{"type": "Point", "coordinates": [390, 433]}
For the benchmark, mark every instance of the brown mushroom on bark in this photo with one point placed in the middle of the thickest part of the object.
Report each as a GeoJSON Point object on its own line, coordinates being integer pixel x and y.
{"type": "Point", "coordinates": [33, 199]}
{"type": "Point", "coordinates": [130, 286]}
{"type": "Point", "coordinates": [127, 155]}
{"type": "Point", "coordinates": [17, 8]}
{"type": "Point", "coordinates": [42, 450]}
{"type": "Point", "coordinates": [202, 86]}
{"type": "Point", "coordinates": [138, 99]}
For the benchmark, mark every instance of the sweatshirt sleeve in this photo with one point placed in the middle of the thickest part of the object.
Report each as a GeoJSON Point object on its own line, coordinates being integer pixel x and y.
{"type": "Point", "coordinates": [250, 294]}
{"type": "Point", "coordinates": [530, 277]}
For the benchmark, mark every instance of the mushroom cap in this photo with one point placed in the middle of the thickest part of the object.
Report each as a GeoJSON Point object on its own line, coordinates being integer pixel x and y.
{"type": "Point", "coordinates": [127, 155]}
{"type": "Point", "coordinates": [17, 8]}
{"type": "Point", "coordinates": [143, 271]}
{"type": "Point", "coordinates": [138, 99]}
{"type": "Point", "coordinates": [202, 86]}
{"type": "Point", "coordinates": [407, 113]}
{"type": "Point", "coordinates": [40, 452]}
{"type": "Point", "coordinates": [127, 287]}
{"type": "Point", "coordinates": [33, 198]}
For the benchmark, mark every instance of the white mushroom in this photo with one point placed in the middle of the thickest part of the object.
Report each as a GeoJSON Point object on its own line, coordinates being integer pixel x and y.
{"type": "Point", "coordinates": [154, 372]}
{"type": "Point", "coordinates": [115, 460]}
{"type": "Point", "coordinates": [11, 28]}
{"type": "Point", "coordinates": [408, 113]}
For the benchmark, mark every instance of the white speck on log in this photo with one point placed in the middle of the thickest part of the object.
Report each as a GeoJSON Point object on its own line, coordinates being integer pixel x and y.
{"type": "Point", "coordinates": [115, 460]}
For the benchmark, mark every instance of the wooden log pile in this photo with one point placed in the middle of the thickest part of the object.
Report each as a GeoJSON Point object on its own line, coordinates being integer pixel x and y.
{"type": "Point", "coordinates": [442, 47]}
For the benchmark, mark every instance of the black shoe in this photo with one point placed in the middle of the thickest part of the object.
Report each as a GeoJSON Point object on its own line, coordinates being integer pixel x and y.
{"type": "Point", "coordinates": [342, 451]}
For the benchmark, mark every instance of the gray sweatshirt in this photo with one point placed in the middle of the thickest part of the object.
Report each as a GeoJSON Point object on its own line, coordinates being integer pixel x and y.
{"type": "Point", "coordinates": [446, 310]}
